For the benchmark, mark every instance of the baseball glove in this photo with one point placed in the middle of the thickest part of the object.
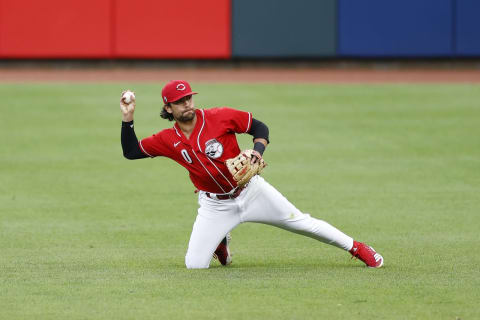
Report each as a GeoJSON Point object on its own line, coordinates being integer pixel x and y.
{"type": "Point", "coordinates": [241, 166]}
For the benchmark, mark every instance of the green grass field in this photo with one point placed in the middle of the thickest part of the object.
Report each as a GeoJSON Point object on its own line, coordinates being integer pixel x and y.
{"type": "Point", "coordinates": [87, 234]}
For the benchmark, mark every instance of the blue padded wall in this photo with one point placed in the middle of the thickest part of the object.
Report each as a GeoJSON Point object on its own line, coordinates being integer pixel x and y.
{"type": "Point", "coordinates": [283, 28]}
{"type": "Point", "coordinates": [467, 28]}
{"type": "Point", "coordinates": [388, 28]}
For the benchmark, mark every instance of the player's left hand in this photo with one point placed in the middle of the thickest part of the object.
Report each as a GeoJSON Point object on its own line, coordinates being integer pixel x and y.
{"type": "Point", "coordinates": [241, 167]}
{"type": "Point", "coordinates": [256, 157]}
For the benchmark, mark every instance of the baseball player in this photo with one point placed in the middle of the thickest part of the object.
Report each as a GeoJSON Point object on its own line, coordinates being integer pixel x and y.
{"type": "Point", "coordinates": [230, 191]}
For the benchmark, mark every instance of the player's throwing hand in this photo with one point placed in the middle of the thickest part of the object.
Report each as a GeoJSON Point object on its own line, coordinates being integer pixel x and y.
{"type": "Point", "coordinates": [127, 105]}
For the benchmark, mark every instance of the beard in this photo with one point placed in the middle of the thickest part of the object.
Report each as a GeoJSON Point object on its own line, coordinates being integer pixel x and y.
{"type": "Point", "coordinates": [187, 116]}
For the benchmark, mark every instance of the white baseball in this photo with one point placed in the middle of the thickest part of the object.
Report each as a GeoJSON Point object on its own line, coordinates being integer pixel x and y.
{"type": "Point", "coordinates": [128, 96]}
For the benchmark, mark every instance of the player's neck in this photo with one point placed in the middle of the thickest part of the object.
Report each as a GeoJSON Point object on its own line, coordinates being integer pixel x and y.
{"type": "Point", "coordinates": [187, 126]}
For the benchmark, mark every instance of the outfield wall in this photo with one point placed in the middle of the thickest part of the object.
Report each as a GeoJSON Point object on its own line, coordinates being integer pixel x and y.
{"type": "Point", "coordinates": [226, 29]}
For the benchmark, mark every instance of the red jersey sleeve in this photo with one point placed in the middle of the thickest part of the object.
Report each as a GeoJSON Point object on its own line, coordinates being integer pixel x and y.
{"type": "Point", "coordinates": [153, 146]}
{"type": "Point", "coordinates": [235, 120]}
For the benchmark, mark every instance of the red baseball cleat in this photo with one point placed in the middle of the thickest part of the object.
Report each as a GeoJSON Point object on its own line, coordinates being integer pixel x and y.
{"type": "Point", "coordinates": [367, 254]}
{"type": "Point", "coordinates": [222, 253]}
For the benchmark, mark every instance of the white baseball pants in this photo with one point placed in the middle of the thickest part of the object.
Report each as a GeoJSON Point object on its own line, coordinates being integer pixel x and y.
{"type": "Point", "coordinates": [259, 202]}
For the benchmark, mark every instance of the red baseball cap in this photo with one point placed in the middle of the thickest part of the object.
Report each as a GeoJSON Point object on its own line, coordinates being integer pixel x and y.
{"type": "Point", "coordinates": [175, 90]}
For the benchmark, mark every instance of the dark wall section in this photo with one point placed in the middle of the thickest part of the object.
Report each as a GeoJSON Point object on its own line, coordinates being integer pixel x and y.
{"type": "Point", "coordinates": [380, 28]}
{"type": "Point", "coordinates": [283, 28]}
{"type": "Point", "coordinates": [468, 27]}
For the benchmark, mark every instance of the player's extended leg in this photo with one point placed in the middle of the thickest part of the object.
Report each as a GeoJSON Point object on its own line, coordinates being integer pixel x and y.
{"type": "Point", "coordinates": [263, 203]}
{"type": "Point", "coordinates": [271, 207]}
{"type": "Point", "coordinates": [214, 220]}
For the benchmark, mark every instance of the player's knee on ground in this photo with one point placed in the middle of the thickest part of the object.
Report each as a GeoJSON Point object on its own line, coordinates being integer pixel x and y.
{"type": "Point", "coordinates": [196, 263]}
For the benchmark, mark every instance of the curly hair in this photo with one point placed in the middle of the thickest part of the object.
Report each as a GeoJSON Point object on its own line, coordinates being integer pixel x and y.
{"type": "Point", "coordinates": [165, 115]}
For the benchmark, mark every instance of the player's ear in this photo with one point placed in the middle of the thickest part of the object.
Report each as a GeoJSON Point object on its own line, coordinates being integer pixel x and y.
{"type": "Point", "coordinates": [168, 108]}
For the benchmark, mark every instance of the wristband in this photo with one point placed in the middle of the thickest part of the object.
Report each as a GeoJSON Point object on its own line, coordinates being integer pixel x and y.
{"type": "Point", "coordinates": [259, 147]}
{"type": "Point", "coordinates": [128, 124]}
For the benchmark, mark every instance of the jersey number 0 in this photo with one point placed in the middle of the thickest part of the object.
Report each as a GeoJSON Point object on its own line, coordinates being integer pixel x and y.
{"type": "Point", "coordinates": [186, 156]}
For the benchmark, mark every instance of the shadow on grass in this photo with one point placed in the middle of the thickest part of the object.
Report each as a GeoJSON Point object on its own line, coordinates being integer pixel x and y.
{"type": "Point", "coordinates": [290, 264]}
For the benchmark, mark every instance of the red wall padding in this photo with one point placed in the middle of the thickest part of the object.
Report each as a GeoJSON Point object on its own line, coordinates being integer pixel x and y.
{"type": "Point", "coordinates": [172, 29]}
{"type": "Point", "coordinates": [55, 28]}
{"type": "Point", "coordinates": [115, 29]}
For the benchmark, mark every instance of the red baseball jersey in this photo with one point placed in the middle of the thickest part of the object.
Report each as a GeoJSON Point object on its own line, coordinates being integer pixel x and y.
{"type": "Point", "coordinates": [211, 143]}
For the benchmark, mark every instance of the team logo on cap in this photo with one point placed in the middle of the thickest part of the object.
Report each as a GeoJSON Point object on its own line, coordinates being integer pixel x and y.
{"type": "Point", "coordinates": [165, 98]}
{"type": "Point", "coordinates": [213, 149]}
{"type": "Point", "coordinates": [180, 87]}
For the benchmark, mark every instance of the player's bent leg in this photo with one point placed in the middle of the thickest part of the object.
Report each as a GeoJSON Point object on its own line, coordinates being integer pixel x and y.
{"type": "Point", "coordinates": [222, 253]}
{"type": "Point", "coordinates": [203, 242]}
{"type": "Point", "coordinates": [205, 237]}
{"type": "Point", "coordinates": [213, 222]}
{"type": "Point", "coordinates": [272, 208]}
